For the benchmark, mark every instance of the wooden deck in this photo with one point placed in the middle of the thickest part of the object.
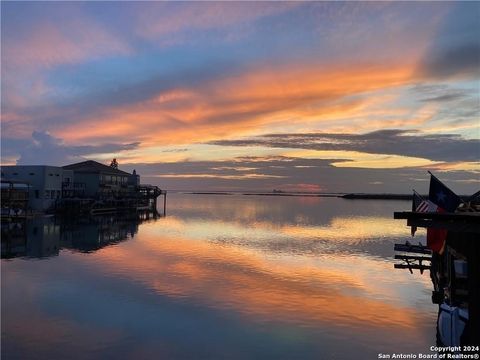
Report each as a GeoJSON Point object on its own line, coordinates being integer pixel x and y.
{"type": "Point", "coordinates": [458, 222]}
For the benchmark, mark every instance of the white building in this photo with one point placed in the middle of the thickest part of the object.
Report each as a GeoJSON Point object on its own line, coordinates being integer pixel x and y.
{"type": "Point", "coordinates": [45, 182]}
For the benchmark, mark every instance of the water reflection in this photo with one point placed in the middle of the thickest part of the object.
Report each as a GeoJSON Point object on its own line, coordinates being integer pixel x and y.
{"type": "Point", "coordinates": [300, 226]}
{"type": "Point", "coordinates": [230, 277]}
{"type": "Point", "coordinates": [36, 238]}
{"type": "Point", "coordinates": [42, 237]}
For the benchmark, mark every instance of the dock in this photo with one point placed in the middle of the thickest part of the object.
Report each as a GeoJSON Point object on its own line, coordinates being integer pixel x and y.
{"type": "Point", "coordinates": [144, 199]}
{"type": "Point", "coordinates": [454, 271]}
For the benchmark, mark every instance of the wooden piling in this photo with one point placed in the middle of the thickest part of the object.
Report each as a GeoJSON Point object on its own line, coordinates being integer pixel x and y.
{"type": "Point", "coordinates": [165, 203]}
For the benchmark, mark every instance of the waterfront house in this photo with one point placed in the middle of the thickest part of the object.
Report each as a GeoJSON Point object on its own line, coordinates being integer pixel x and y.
{"type": "Point", "coordinates": [102, 180]}
{"type": "Point", "coordinates": [44, 183]}
{"type": "Point", "coordinates": [85, 186]}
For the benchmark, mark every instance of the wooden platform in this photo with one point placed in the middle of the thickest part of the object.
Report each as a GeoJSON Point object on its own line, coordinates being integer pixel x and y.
{"type": "Point", "coordinates": [455, 288]}
{"type": "Point", "coordinates": [458, 222]}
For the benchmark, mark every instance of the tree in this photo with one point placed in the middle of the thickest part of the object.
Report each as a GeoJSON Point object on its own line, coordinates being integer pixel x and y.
{"type": "Point", "coordinates": [114, 164]}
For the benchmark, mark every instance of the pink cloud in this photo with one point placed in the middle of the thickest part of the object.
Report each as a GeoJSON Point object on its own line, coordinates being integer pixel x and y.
{"type": "Point", "coordinates": [26, 57]}
{"type": "Point", "coordinates": [48, 45]}
{"type": "Point", "coordinates": [164, 20]}
{"type": "Point", "coordinates": [302, 187]}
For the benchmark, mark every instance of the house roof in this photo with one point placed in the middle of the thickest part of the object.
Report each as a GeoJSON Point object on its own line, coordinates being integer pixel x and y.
{"type": "Point", "coordinates": [91, 166]}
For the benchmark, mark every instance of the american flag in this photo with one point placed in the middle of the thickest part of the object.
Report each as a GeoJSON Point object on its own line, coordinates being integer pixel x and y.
{"type": "Point", "coordinates": [419, 204]}
{"type": "Point", "coordinates": [426, 206]}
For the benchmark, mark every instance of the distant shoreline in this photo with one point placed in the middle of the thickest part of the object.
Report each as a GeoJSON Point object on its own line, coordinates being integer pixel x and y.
{"type": "Point", "coordinates": [354, 196]}
{"type": "Point", "coordinates": [349, 196]}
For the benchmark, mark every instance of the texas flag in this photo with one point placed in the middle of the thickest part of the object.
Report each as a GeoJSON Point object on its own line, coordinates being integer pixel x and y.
{"type": "Point", "coordinates": [442, 195]}
{"type": "Point", "coordinates": [446, 201]}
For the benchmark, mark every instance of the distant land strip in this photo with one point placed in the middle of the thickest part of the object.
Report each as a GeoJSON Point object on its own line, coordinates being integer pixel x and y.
{"type": "Point", "coordinates": [264, 193]}
{"type": "Point", "coordinates": [354, 196]}
{"type": "Point", "coordinates": [349, 196]}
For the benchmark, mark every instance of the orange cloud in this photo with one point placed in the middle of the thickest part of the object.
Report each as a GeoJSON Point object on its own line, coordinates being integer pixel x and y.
{"type": "Point", "coordinates": [219, 176]}
{"type": "Point", "coordinates": [241, 104]}
{"type": "Point", "coordinates": [457, 166]}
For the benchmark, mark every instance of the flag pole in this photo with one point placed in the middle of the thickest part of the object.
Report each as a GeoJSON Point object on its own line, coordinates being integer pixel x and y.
{"type": "Point", "coordinates": [420, 196]}
{"type": "Point", "coordinates": [413, 228]}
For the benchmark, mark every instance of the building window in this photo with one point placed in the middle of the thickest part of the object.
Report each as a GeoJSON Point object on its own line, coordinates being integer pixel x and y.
{"type": "Point", "coordinates": [50, 174]}
{"type": "Point", "coordinates": [37, 194]}
{"type": "Point", "coordinates": [57, 174]}
{"type": "Point", "coordinates": [47, 194]}
{"type": "Point", "coordinates": [31, 174]}
{"type": "Point", "coordinates": [58, 194]}
{"type": "Point", "coordinates": [15, 173]}
{"type": "Point", "coordinates": [53, 194]}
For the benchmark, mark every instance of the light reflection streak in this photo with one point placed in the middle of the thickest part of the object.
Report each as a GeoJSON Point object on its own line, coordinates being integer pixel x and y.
{"type": "Point", "coordinates": [259, 285]}
{"type": "Point", "coordinates": [351, 230]}
{"type": "Point", "coordinates": [173, 260]}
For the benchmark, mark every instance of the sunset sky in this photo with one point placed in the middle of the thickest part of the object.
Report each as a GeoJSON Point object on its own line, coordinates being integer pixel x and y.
{"type": "Point", "coordinates": [317, 96]}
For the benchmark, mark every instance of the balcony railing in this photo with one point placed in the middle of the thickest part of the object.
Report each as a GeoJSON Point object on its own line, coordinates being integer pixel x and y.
{"type": "Point", "coordinates": [73, 185]}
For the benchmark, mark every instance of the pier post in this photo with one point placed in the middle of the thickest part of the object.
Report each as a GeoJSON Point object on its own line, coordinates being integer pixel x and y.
{"type": "Point", "coordinates": [165, 203]}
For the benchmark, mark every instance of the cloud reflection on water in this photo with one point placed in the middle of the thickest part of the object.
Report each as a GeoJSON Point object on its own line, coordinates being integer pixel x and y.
{"type": "Point", "coordinates": [289, 272]}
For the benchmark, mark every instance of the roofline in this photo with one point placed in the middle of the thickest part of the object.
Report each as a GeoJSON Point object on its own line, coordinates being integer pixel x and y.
{"type": "Point", "coordinates": [104, 168]}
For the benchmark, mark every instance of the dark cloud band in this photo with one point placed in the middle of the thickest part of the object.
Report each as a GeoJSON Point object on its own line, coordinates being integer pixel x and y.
{"type": "Point", "coordinates": [438, 147]}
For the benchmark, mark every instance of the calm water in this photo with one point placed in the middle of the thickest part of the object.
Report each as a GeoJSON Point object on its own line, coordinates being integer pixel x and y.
{"type": "Point", "coordinates": [221, 277]}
